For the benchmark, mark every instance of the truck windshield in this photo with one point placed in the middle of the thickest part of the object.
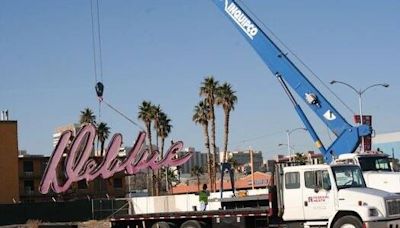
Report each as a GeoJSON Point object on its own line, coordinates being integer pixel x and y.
{"type": "Point", "coordinates": [374, 163]}
{"type": "Point", "coordinates": [348, 177]}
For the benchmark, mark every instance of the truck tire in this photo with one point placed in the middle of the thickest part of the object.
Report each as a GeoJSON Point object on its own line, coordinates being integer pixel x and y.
{"type": "Point", "coordinates": [348, 221]}
{"type": "Point", "coordinates": [162, 225]}
{"type": "Point", "coordinates": [191, 224]}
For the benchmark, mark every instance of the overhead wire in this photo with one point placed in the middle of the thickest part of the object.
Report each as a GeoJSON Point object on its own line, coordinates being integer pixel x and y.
{"type": "Point", "coordinates": [99, 38]}
{"type": "Point", "coordinates": [93, 43]}
{"type": "Point", "coordinates": [289, 50]}
{"type": "Point", "coordinates": [94, 46]}
{"type": "Point", "coordinates": [295, 55]}
{"type": "Point", "coordinates": [241, 142]}
{"type": "Point", "coordinates": [98, 61]}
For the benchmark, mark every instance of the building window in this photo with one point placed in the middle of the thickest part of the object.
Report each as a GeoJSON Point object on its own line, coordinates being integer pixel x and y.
{"type": "Point", "coordinates": [117, 182]}
{"type": "Point", "coordinates": [43, 165]}
{"type": "Point", "coordinates": [99, 186]}
{"type": "Point", "coordinates": [82, 184]}
{"type": "Point", "coordinates": [292, 180]}
{"type": "Point", "coordinates": [28, 167]}
{"type": "Point", "coordinates": [29, 186]}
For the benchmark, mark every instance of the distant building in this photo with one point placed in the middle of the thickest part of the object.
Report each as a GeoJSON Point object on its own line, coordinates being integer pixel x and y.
{"type": "Point", "coordinates": [198, 159]}
{"type": "Point", "coordinates": [389, 143]}
{"type": "Point", "coordinates": [309, 157]}
{"type": "Point", "coordinates": [270, 165]}
{"type": "Point", "coordinates": [31, 170]}
{"type": "Point", "coordinates": [57, 134]}
{"type": "Point", "coordinates": [242, 158]}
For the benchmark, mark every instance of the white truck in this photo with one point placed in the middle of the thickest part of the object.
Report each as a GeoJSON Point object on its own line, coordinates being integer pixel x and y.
{"type": "Point", "coordinates": [301, 196]}
{"type": "Point", "coordinates": [334, 196]}
{"type": "Point", "coordinates": [377, 170]}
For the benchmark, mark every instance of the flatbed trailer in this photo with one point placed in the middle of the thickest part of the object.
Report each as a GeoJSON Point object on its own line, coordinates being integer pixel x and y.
{"type": "Point", "coordinates": [248, 211]}
{"type": "Point", "coordinates": [245, 217]}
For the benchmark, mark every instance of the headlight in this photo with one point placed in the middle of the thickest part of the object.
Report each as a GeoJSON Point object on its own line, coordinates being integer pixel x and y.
{"type": "Point", "coordinates": [372, 212]}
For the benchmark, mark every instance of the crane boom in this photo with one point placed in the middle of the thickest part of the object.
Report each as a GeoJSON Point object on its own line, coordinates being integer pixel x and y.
{"type": "Point", "coordinates": [347, 136]}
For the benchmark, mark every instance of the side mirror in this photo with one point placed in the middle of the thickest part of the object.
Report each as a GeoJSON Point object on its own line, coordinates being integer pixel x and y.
{"type": "Point", "coordinates": [328, 187]}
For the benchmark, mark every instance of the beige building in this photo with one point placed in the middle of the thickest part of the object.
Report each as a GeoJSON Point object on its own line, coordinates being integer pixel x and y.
{"type": "Point", "coordinates": [72, 127]}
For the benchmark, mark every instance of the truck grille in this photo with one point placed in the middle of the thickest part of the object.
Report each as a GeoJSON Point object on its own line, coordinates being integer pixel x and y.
{"type": "Point", "coordinates": [393, 207]}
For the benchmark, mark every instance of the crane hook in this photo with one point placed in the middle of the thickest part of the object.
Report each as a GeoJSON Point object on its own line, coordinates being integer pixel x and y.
{"type": "Point", "coordinates": [99, 90]}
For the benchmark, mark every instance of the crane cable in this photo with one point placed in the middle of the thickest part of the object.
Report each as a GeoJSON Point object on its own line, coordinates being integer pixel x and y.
{"type": "Point", "coordinates": [97, 69]}
{"type": "Point", "coordinates": [296, 57]}
{"type": "Point", "coordinates": [97, 58]}
{"type": "Point", "coordinates": [300, 61]}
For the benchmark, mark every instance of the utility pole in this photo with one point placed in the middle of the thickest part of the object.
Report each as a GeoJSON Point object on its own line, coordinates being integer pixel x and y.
{"type": "Point", "coordinates": [252, 169]}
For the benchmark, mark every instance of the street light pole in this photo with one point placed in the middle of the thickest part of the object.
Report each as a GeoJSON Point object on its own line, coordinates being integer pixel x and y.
{"type": "Point", "coordinates": [360, 93]}
{"type": "Point", "coordinates": [288, 144]}
{"type": "Point", "coordinates": [361, 118]}
{"type": "Point", "coordinates": [291, 148]}
{"type": "Point", "coordinates": [288, 132]}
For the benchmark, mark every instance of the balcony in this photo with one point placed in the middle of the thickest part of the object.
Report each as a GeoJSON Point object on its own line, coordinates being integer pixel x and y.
{"type": "Point", "coordinates": [30, 175]}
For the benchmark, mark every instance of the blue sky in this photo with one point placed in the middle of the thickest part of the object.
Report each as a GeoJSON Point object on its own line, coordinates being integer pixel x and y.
{"type": "Point", "coordinates": [161, 51]}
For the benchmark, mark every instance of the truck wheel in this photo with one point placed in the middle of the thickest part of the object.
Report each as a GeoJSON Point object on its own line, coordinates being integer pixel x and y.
{"type": "Point", "coordinates": [162, 225]}
{"type": "Point", "coordinates": [191, 224]}
{"type": "Point", "coordinates": [348, 221]}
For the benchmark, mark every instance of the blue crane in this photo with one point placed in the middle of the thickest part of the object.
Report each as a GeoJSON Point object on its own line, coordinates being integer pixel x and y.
{"type": "Point", "coordinates": [347, 136]}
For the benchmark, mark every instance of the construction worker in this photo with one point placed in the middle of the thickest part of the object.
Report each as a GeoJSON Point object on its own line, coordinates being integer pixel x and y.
{"type": "Point", "coordinates": [203, 197]}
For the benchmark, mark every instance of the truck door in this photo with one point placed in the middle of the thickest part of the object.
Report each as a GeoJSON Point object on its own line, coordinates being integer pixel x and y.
{"type": "Point", "coordinates": [292, 197]}
{"type": "Point", "coordinates": [318, 198]}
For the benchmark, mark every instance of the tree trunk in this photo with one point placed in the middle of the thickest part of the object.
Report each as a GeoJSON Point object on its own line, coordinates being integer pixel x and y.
{"type": "Point", "coordinates": [226, 127]}
{"type": "Point", "coordinates": [162, 147]}
{"type": "Point", "coordinates": [102, 152]}
{"type": "Point", "coordinates": [157, 172]}
{"type": "Point", "coordinates": [198, 183]}
{"type": "Point", "coordinates": [209, 157]}
{"type": "Point", "coordinates": [213, 146]}
{"type": "Point", "coordinates": [148, 128]}
{"type": "Point", "coordinates": [159, 176]}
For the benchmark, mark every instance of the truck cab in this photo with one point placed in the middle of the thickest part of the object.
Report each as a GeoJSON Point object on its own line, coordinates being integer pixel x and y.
{"type": "Point", "coordinates": [333, 196]}
{"type": "Point", "coordinates": [377, 170]}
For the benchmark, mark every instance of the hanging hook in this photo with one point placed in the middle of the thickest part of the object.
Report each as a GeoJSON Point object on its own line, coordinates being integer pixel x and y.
{"type": "Point", "coordinates": [99, 90]}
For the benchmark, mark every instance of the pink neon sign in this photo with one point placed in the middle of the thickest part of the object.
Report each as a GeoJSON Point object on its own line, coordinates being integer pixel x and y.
{"type": "Point", "coordinates": [79, 166]}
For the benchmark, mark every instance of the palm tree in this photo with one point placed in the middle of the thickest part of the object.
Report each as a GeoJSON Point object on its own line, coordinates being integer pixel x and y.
{"type": "Point", "coordinates": [200, 116]}
{"type": "Point", "coordinates": [197, 171]}
{"type": "Point", "coordinates": [103, 131]}
{"type": "Point", "coordinates": [171, 176]}
{"type": "Point", "coordinates": [87, 116]}
{"type": "Point", "coordinates": [163, 130]}
{"type": "Point", "coordinates": [208, 90]}
{"type": "Point", "coordinates": [234, 163]}
{"type": "Point", "coordinates": [156, 119]}
{"type": "Point", "coordinates": [300, 158]}
{"type": "Point", "coordinates": [146, 114]}
{"type": "Point", "coordinates": [226, 98]}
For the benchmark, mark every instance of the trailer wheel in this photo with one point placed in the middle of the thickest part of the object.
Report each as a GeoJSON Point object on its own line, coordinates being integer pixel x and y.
{"type": "Point", "coordinates": [163, 225]}
{"type": "Point", "coordinates": [191, 224]}
{"type": "Point", "coordinates": [348, 221]}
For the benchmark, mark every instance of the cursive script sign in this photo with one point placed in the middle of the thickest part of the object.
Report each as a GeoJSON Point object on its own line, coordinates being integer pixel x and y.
{"type": "Point", "coordinates": [79, 166]}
